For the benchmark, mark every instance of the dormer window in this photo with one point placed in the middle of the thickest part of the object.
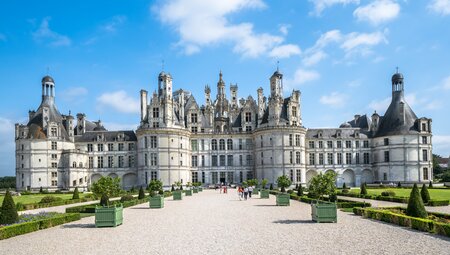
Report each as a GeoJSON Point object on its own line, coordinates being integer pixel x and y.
{"type": "Point", "coordinates": [338, 134]}
{"type": "Point", "coordinates": [424, 127]}
{"type": "Point", "coordinates": [319, 134]}
{"type": "Point", "coordinates": [357, 134]}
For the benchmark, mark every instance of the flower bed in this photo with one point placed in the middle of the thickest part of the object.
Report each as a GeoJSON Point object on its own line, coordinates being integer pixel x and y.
{"type": "Point", "coordinates": [33, 222]}
{"type": "Point", "coordinates": [438, 223]}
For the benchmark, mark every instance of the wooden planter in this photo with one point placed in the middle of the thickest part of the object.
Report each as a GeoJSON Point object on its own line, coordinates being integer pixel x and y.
{"type": "Point", "coordinates": [177, 195]}
{"type": "Point", "coordinates": [195, 190]}
{"type": "Point", "coordinates": [188, 192]}
{"type": "Point", "coordinates": [283, 199]}
{"type": "Point", "coordinates": [264, 193]}
{"type": "Point", "coordinates": [108, 216]}
{"type": "Point", "coordinates": [200, 189]}
{"type": "Point", "coordinates": [156, 201]}
{"type": "Point", "coordinates": [324, 212]}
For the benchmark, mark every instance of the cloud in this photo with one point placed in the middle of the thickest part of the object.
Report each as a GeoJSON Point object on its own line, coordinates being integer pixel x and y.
{"type": "Point", "coordinates": [45, 34]}
{"type": "Point", "coordinates": [335, 99]}
{"type": "Point", "coordinates": [377, 12]}
{"type": "Point", "coordinates": [380, 106]}
{"type": "Point", "coordinates": [301, 76]}
{"type": "Point", "coordinates": [446, 83]}
{"type": "Point", "coordinates": [441, 145]}
{"type": "Point", "coordinates": [112, 25]}
{"type": "Point", "coordinates": [314, 58]}
{"type": "Point", "coordinates": [203, 23]}
{"type": "Point", "coordinates": [441, 7]}
{"type": "Point", "coordinates": [74, 93]}
{"type": "Point", "coordinates": [320, 5]}
{"type": "Point", "coordinates": [119, 101]}
{"type": "Point", "coordinates": [285, 51]}
{"type": "Point", "coordinates": [284, 29]}
{"type": "Point", "coordinates": [7, 157]}
{"type": "Point", "coordinates": [355, 40]}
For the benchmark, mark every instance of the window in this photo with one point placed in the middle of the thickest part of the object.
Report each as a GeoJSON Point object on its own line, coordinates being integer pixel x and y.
{"type": "Point", "coordinates": [249, 175]}
{"type": "Point", "coordinates": [54, 156]}
{"type": "Point", "coordinates": [99, 147]}
{"type": "Point", "coordinates": [348, 158]}
{"type": "Point", "coordinates": [74, 164]}
{"type": "Point", "coordinates": [154, 175]}
{"type": "Point", "coordinates": [241, 177]}
{"type": "Point", "coordinates": [222, 144]}
{"type": "Point", "coordinates": [214, 144]}
{"type": "Point", "coordinates": [366, 144]}
{"type": "Point", "coordinates": [100, 162]}
{"type": "Point", "coordinates": [53, 131]}
{"type": "Point", "coordinates": [146, 159]}
{"type": "Point", "coordinates": [194, 176]}
{"type": "Point", "coordinates": [357, 158]}
{"type": "Point", "coordinates": [153, 142]}
{"type": "Point", "coordinates": [386, 156]}
{"type": "Point", "coordinates": [215, 177]}
{"type": "Point", "coordinates": [348, 144]}
{"type": "Point", "coordinates": [130, 161]}
{"type": "Point", "coordinates": [329, 144]}
{"type": "Point", "coordinates": [54, 165]}
{"type": "Point", "coordinates": [202, 145]}
{"type": "Point", "coordinates": [54, 174]}
{"type": "Point", "coordinates": [297, 140]}
{"type": "Point", "coordinates": [230, 177]}
{"type": "Point", "coordinates": [110, 147]}
{"type": "Point", "coordinates": [194, 161]}
{"type": "Point", "coordinates": [240, 160]}
{"type": "Point", "coordinates": [330, 158]}
{"type": "Point", "coordinates": [194, 129]}
{"type": "Point", "coordinates": [54, 146]}
{"type": "Point", "coordinates": [425, 173]}
{"type": "Point", "coordinates": [91, 162]}
{"type": "Point", "coordinates": [222, 160]}
{"type": "Point", "coordinates": [321, 161]}
{"type": "Point", "coordinates": [248, 117]}
{"type": "Point", "coordinates": [291, 140]}
{"type": "Point", "coordinates": [230, 160]}
{"type": "Point", "coordinates": [194, 117]}
{"type": "Point", "coordinates": [297, 157]}
{"type": "Point", "coordinates": [194, 145]}
{"type": "Point", "coordinates": [291, 175]}
{"type": "Point", "coordinates": [248, 128]}
{"type": "Point", "coordinates": [357, 144]}
{"type": "Point", "coordinates": [121, 146]}
{"type": "Point", "coordinates": [366, 158]}
{"type": "Point", "coordinates": [214, 160]}
{"type": "Point", "coordinates": [424, 127]}
{"type": "Point", "coordinates": [229, 144]}
{"type": "Point", "coordinates": [339, 144]}
{"type": "Point", "coordinates": [203, 160]}
{"type": "Point", "coordinates": [312, 159]}
{"type": "Point", "coordinates": [386, 141]}
{"type": "Point", "coordinates": [155, 112]}
{"type": "Point", "coordinates": [155, 124]}
{"type": "Point", "coordinates": [339, 158]}
{"type": "Point", "coordinates": [294, 111]}
{"type": "Point", "coordinates": [384, 176]}
{"type": "Point", "coordinates": [249, 144]}
{"type": "Point", "coordinates": [131, 146]}
{"type": "Point", "coordinates": [262, 142]}
{"type": "Point", "coordinates": [203, 177]}
{"type": "Point", "coordinates": [298, 175]}
{"type": "Point", "coordinates": [54, 183]}
{"type": "Point", "coordinates": [249, 160]}
{"type": "Point", "coordinates": [240, 144]}
{"type": "Point", "coordinates": [424, 140]}
{"type": "Point", "coordinates": [89, 147]}
{"type": "Point", "coordinates": [110, 161]}
{"type": "Point", "coordinates": [121, 161]}
{"type": "Point", "coordinates": [320, 144]}
{"type": "Point", "coordinates": [425, 155]}
{"type": "Point", "coordinates": [311, 144]}
{"type": "Point", "coordinates": [145, 142]}
{"type": "Point", "coordinates": [291, 157]}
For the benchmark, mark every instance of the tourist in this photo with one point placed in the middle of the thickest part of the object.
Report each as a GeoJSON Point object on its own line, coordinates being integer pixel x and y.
{"type": "Point", "coordinates": [225, 189]}
{"type": "Point", "coordinates": [240, 192]}
{"type": "Point", "coordinates": [245, 193]}
{"type": "Point", "coordinates": [250, 190]}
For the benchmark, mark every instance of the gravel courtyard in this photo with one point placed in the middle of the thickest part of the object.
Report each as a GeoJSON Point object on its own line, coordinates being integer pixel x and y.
{"type": "Point", "coordinates": [213, 223]}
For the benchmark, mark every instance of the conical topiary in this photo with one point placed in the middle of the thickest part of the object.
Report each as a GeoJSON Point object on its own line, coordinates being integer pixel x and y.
{"type": "Point", "coordinates": [399, 185]}
{"type": "Point", "coordinates": [76, 195]}
{"type": "Point", "coordinates": [141, 193]}
{"type": "Point", "coordinates": [271, 186]}
{"type": "Point", "coordinates": [415, 204]}
{"type": "Point", "coordinates": [8, 212]}
{"type": "Point", "coordinates": [425, 194]}
{"type": "Point", "coordinates": [173, 188]}
{"type": "Point", "coordinates": [431, 185]}
{"type": "Point", "coordinates": [300, 190]}
{"type": "Point", "coordinates": [41, 190]}
{"type": "Point", "coordinates": [344, 186]}
{"type": "Point", "coordinates": [363, 189]}
{"type": "Point", "coordinates": [104, 201]}
{"type": "Point", "coordinates": [296, 186]}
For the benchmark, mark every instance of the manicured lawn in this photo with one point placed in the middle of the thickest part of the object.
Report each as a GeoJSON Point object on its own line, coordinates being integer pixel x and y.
{"type": "Point", "coordinates": [438, 194]}
{"type": "Point", "coordinates": [35, 198]}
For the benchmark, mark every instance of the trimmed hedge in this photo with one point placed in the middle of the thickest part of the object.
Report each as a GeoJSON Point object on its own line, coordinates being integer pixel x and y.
{"type": "Point", "coordinates": [341, 203]}
{"type": "Point", "coordinates": [425, 225]}
{"type": "Point", "coordinates": [27, 227]}
{"type": "Point", "coordinates": [24, 207]}
{"type": "Point", "coordinates": [438, 202]}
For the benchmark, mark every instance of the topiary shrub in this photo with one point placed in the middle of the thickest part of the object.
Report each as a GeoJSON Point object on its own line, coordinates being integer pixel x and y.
{"type": "Point", "coordinates": [296, 186]}
{"type": "Point", "coordinates": [173, 188]}
{"type": "Point", "coordinates": [425, 194]}
{"type": "Point", "coordinates": [126, 198]}
{"type": "Point", "coordinates": [161, 192]}
{"type": "Point", "coordinates": [290, 191]}
{"type": "Point", "coordinates": [104, 201]}
{"type": "Point", "coordinates": [141, 193]}
{"type": "Point", "coordinates": [76, 195]}
{"type": "Point", "coordinates": [363, 189]}
{"type": "Point", "coordinates": [283, 182]}
{"type": "Point", "coordinates": [388, 193]}
{"type": "Point", "coordinates": [344, 186]}
{"type": "Point", "coordinates": [430, 185]}
{"type": "Point", "coordinates": [49, 199]}
{"type": "Point", "coordinates": [106, 185]}
{"type": "Point", "coordinates": [332, 197]}
{"type": "Point", "coordinates": [300, 190]}
{"type": "Point", "coordinates": [8, 212]}
{"type": "Point", "coordinates": [271, 186]}
{"type": "Point", "coordinates": [399, 185]}
{"type": "Point", "coordinates": [41, 190]}
{"type": "Point", "coordinates": [345, 191]}
{"type": "Point", "coordinates": [415, 204]}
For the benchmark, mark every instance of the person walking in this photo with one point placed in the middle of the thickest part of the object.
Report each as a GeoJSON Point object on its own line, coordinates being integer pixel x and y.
{"type": "Point", "coordinates": [240, 192]}
{"type": "Point", "coordinates": [245, 193]}
{"type": "Point", "coordinates": [250, 190]}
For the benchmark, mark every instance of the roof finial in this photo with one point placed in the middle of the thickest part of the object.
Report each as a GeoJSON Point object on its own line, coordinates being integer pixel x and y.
{"type": "Point", "coordinates": [397, 69]}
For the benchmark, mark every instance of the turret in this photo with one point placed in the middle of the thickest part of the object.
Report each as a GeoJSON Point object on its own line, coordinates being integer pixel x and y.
{"type": "Point", "coordinates": [69, 126]}
{"type": "Point", "coordinates": [233, 92]}
{"type": "Point", "coordinates": [165, 94]}
{"type": "Point", "coordinates": [375, 122]}
{"type": "Point", "coordinates": [261, 104]}
{"type": "Point", "coordinates": [143, 105]}
{"type": "Point", "coordinates": [276, 84]}
{"type": "Point", "coordinates": [81, 123]}
{"type": "Point", "coordinates": [220, 86]}
{"type": "Point", "coordinates": [207, 95]}
{"type": "Point", "coordinates": [48, 88]}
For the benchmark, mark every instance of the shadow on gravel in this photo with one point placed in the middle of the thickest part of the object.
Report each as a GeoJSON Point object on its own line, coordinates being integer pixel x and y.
{"type": "Point", "coordinates": [268, 205]}
{"type": "Point", "coordinates": [293, 222]}
{"type": "Point", "coordinates": [79, 226]}
{"type": "Point", "coordinates": [138, 208]}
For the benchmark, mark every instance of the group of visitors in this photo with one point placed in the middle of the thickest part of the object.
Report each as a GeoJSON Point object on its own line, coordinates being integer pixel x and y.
{"type": "Point", "coordinates": [245, 192]}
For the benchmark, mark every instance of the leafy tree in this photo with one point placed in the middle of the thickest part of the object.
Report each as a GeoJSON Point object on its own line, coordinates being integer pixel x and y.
{"type": "Point", "coordinates": [104, 201]}
{"type": "Point", "coordinates": [264, 183]}
{"type": "Point", "coordinates": [363, 189]}
{"type": "Point", "coordinates": [141, 193]}
{"type": "Point", "coordinates": [425, 194]}
{"type": "Point", "coordinates": [283, 182]}
{"type": "Point", "coordinates": [8, 182]}
{"type": "Point", "coordinates": [155, 186]}
{"type": "Point", "coordinates": [108, 186]}
{"type": "Point", "coordinates": [8, 212]}
{"type": "Point", "coordinates": [300, 190]}
{"type": "Point", "coordinates": [437, 169]}
{"type": "Point", "coordinates": [415, 204]}
{"type": "Point", "coordinates": [323, 184]}
{"type": "Point", "coordinates": [76, 194]}
{"type": "Point", "coordinates": [445, 177]}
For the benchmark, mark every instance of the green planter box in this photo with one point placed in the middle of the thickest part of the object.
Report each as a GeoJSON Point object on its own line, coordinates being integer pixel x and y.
{"type": "Point", "coordinates": [188, 192]}
{"type": "Point", "coordinates": [283, 199]}
{"type": "Point", "coordinates": [255, 191]}
{"type": "Point", "coordinates": [177, 195]}
{"type": "Point", "coordinates": [156, 201]}
{"type": "Point", "coordinates": [200, 189]}
{"type": "Point", "coordinates": [324, 212]}
{"type": "Point", "coordinates": [195, 190]}
{"type": "Point", "coordinates": [108, 216]}
{"type": "Point", "coordinates": [264, 193]}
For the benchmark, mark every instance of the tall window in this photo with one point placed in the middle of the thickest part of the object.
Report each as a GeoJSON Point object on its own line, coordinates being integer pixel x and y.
{"type": "Point", "coordinates": [312, 159]}
{"type": "Point", "coordinates": [194, 117]}
{"type": "Point", "coordinates": [329, 144]}
{"type": "Point", "coordinates": [194, 176]}
{"type": "Point", "coordinates": [386, 141]}
{"type": "Point", "coordinates": [91, 162]}
{"type": "Point", "coordinates": [53, 131]}
{"type": "Point", "coordinates": [146, 159]}
{"type": "Point", "coordinates": [194, 161]}
{"type": "Point", "coordinates": [110, 161]}
{"type": "Point", "coordinates": [321, 159]}
{"type": "Point", "coordinates": [155, 112]}
{"type": "Point", "coordinates": [330, 158]}
{"type": "Point", "coordinates": [297, 157]}
{"type": "Point", "coordinates": [99, 147]}
{"type": "Point", "coordinates": [230, 160]}
{"type": "Point", "coordinates": [229, 144]}
{"type": "Point", "coordinates": [154, 175]}
{"type": "Point", "coordinates": [203, 160]}
{"type": "Point", "coordinates": [425, 155]}
{"type": "Point", "coordinates": [386, 156]}
{"type": "Point", "coordinates": [320, 144]}
{"type": "Point", "coordinates": [120, 146]}
{"type": "Point", "coordinates": [120, 161]}
{"type": "Point", "coordinates": [110, 146]}
{"type": "Point", "coordinates": [248, 117]}
{"type": "Point", "coordinates": [294, 111]}
{"type": "Point", "coordinates": [131, 161]}
{"type": "Point", "coordinates": [222, 144]}
{"type": "Point", "coordinates": [222, 160]}
{"type": "Point", "coordinates": [249, 144]}
{"type": "Point", "coordinates": [311, 144]}
{"type": "Point", "coordinates": [291, 157]}
{"type": "Point", "coordinates": [100, 162]}
{"type": "Point", "coordinates": [54, 146]}
{"type": "Point", "coordinates": [339, 144]}
{"type": "Point", "coordinates": [366, 144]}
{"type": "Point", "coordinates": [203, 177]}
{"type": "Point", "coordinates": [348, 158]}
{"type": "Point", "coordinates": [425, 173]}
{"type": "Point", "coordinates": [298, 175]}
{"type": "Point", "coordinates": [240, 144]}
{"type": "Point", "coordinates": [89, 147]}
{"type": "Point", "coordinates": [214, 160]}
{"type": "Point", "coordinates": [145, 142]}
{"type": "Point", "coordinates": [366, 158]}
{"type": "Point", "coordinates": [291, 175]}
{"type": "Point", "coordinates": [348, 144]}
{"type": "Point", "coordinates": [357, 144]}
{"type": "Point", "coordinates": [291, 139]}
{"type": "Point", "coordinates": [357, 158]}
{"type": "Point", "coordinates": [153, 142]}
{"type": "Point", "coordinates": [153, 159]}
{"type": "Point", "coordinates": [339, 158]}
{"type": "Point", "coordinates": [214, 144]}
{"type": "Point", "coordinates": [194, 145]}
{"type": "Point", "coordinates": [202, 144]}
{"type": "Point", "coordinates": [424, 140]}
{"type": "Point", "coordinates": [297, 140]}
{"type": "Point", "coordinates": [249, 160]}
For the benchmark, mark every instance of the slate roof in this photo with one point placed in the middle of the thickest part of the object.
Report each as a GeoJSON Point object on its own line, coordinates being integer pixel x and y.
{"type": "Point", "coordinates": [331, 133]}
{"type": "Point", "coordinates": [110, 136]}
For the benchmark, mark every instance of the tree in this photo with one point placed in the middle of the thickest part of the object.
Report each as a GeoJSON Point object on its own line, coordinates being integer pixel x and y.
{"type": "Point", "coordinates": [173, 188]}
{"type": "Point", "coordinates": [425, 194]}
{"type": "Point", "coordinates": [41, 190]}
{"type": "Point", "coordinates": [430, 185]}
{"type": "Point", "coordinates": [271, 186]}
{"type": "Point", "coordinates": [344, 186]}
{"type": "Point", "coordinates": [283, 182]}
{"type": "Point", "coordinates": [76, 194]}
{"type": "Point", "coordinates": [8, 212]}
{"type": "Point", "coordinates": [363, 189]}
{"type": "Point", "coordinates": [106, 185]}
{"type": "Point", "coordinates": [399, 185]}
{"type": "Point", "coordinates": [104, 201]}
{"type": "Point", "coordinates": [155, 186]}
{"type": "Point", "coordinates": [323, 184]}
{"type": "Point", "coordinates": [8, 182]}
{"type": "Point", "coordinates": [300, 190]}
{"type": "Point", "coordinates": [264, 183]}
{"type": "Point", "coordinates": [141, 193]}
{"type": "Point", "coordinates": [415, 204]}
{"type": "Point", "coordinates": [437, 169]}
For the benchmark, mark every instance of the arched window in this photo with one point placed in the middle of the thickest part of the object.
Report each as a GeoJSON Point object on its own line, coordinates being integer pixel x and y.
{"type": "Point", "coordinates": [80, 165]}
{"type": "Point", "coordinates": [222, 144]}
{"type": "Point", "coordinates": [229, 144]}
{"type": "Point", "coordinates": [214, 144]}
{"type": "Point", "coordinates": [74, 164]}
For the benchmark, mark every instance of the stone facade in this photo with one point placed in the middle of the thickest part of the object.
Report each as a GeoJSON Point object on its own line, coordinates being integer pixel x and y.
{"type": "Point", "coordinates": [225, 140]}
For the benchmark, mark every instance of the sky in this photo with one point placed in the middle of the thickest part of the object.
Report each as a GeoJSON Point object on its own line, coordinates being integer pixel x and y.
{"type": "Point", "coordinates": [340, 54]}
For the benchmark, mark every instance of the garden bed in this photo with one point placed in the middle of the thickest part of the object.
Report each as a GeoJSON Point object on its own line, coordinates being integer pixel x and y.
{"type": "Point", "coordinates": [341, 203]}
{"type": "Point", "coordinates": [396, 199]}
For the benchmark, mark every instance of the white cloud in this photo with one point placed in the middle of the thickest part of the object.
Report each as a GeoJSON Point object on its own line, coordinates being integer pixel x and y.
{"type": "Point", "coordinates": [74, 93]}
{"type": "Point", "coordinates": [45, 34]}
{"type": "Point", "coordinates": [441, 7]}
{"type": "Point", "coordinates": [446, 83]}
{"type": "Point", "coordinates": [361, 41]}
{"type": "Point", "coordinates": [202, 23]}
{"type": "Point", "coordinates": [320, 5]}
{"type": "Point", "coordinates": [380, 106]}
{"type": "Point", "coordinates": [377, 12]}
{"type": "Point", "coordinates": [301, 76]}
{"type": "Point", "coordinates": [335, 99]}
{"type": "Point", "coordinates": [7, 132]}
{"type": "Point", "coordinates": [314, 58]}
{"type": "Point", "coordinates": [441, 145]}
{"type": "Point", "coordinates": [112, 25]}
{"type": "Point", "coordinates": [284, 29]}
{"type": "Point", "coordinates": [285, 51]}
{"type": "Point", "coordinates": [120, 101]}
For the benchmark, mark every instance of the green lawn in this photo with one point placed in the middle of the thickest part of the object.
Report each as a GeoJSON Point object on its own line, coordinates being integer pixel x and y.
{"type": "Point", "coordinates": [438, 194]}
{"type": "Point", "coordinates": [35, 198]}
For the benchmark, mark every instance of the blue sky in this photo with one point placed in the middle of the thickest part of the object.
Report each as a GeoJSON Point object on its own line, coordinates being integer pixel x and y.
{"type": "Point", "coordinates": [339, 53]}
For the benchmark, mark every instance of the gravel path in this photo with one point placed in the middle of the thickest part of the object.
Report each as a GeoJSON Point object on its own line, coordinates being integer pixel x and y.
{"type": "Point", "coordinates": [213, 223]}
